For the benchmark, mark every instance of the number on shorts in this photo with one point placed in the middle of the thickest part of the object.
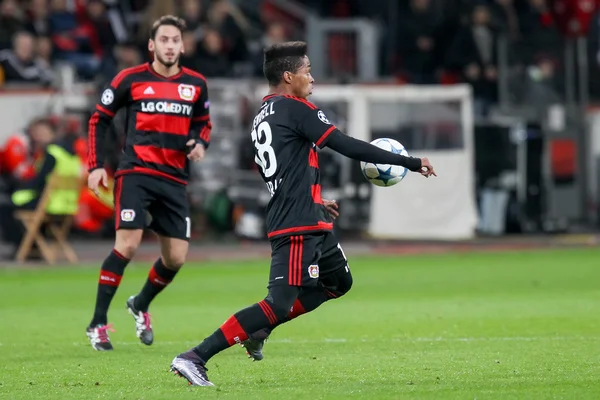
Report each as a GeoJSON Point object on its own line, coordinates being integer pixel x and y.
{"type": "Point", "coordinates": [265, 154]}
{"type": "Point", "coordinates": [344, 255]}
{"type": "Point", "coordinates": [188, 227]}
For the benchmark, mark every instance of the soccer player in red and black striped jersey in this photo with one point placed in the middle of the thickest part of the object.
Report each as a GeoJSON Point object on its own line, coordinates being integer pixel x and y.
{"type": "Point", "coordinates": [167, 125]}
{"type": "Point", "coordinates": [308, 266]}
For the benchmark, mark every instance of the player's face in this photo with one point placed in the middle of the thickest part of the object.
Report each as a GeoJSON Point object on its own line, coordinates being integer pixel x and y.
{"type": "Point", "coordinates": [167, 45]}
{"type": "Point", "coordinates": [302, 83]}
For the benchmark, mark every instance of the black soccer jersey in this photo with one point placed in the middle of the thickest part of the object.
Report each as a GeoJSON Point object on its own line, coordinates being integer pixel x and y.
{"type": "Point", "coordinates": [286, 133]}
{"type": "Point", "coordinates": [162, 115]}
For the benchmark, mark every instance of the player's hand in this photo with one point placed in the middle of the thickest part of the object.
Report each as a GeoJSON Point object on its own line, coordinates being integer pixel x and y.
{"type": "Point", "coordinates": [197, 150]}
{"type": "Point", "coordinates": [426, 168]}
{"type": "Point", "coordinates": [331, 206]}
{"type": "Point", "coordinates": [96, 178]}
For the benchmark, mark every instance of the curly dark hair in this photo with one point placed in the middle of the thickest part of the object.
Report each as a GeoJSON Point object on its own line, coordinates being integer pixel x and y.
{"type": "Point", "coordinates": [282, 57]}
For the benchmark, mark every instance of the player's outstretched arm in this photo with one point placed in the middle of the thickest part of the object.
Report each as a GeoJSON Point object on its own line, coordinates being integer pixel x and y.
{"type": "Point", "coordinates": [363, 151]}
{"type": "Point", "coordinates": [314, 126]}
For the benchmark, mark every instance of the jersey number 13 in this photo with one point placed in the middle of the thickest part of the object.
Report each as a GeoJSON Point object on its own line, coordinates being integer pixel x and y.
{"type": "Point", "coordinates": [265, 155]}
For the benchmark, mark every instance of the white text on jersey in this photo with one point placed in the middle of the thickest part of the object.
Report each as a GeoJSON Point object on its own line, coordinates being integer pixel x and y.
{"type": "Point", "coordinates": [166, 107]}
{"type": "Point", "coordinates": [264, 112]}
{"type": "Point", "coordinates": [273, 185]}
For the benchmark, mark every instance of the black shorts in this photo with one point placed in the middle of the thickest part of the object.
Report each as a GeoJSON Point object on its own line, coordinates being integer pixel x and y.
{"type": "Point", "coordinates": [305, 260]}
{"type": "Point", "coordinates": [137, 195]}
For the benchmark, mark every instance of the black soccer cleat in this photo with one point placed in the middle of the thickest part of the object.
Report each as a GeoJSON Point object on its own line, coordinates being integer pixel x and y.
{"type": "Point", "coordinates": [254, 345]}
{"type": "Point", "coordinates": [98, 336]}
{"type": "Point", "coordinates": [191, 367]}
{"type": "Point", "coordinates": [143, 327]}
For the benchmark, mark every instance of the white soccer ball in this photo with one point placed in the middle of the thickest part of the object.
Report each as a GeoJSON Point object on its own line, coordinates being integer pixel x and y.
{"type": "Point", "coordinates": [383, 174]}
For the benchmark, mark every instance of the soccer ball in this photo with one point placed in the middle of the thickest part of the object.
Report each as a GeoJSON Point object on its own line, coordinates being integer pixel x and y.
{"type": "Point", "coordinates": [383, 174]}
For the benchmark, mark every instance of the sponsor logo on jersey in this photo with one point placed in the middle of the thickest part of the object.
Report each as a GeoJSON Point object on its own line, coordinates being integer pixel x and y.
{"type": "Point", "coordinates": [166, 107]}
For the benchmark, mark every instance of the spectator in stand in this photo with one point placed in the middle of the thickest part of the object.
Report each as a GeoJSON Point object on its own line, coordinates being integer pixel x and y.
{"type": "Point", "coordinates": [10, 22]}
{"type": "Point", "coordinates": [191, 12]}
{"type": "Point", "coordinates": [540, 33]}
{"type": "Point", "coordinates": [44, 52]}
{"type": "Point", "coordinates": [20, 65]}
{"type": "Point", "coordinates": [275, 32]}
{"type": "Point", "coordinates": [417, 41]}
{"type": "Point", "coordinates": [208, 58]}
{"type": "Point", "coordinates": [36, 20]}
{"type": "Point", "coordinates": [232, 25]}
{"type": "Point", "coordinates": [100, 25]}
{"type": "Point", "coordinates": [473, 53]}
{"type": "Point", "coordinates": [505, 17]}
{"type": "Point", "coordinates": [75, 41]}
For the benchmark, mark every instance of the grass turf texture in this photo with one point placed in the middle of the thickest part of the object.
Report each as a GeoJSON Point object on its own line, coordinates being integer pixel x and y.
{"type": "Point", "coordinates": [485, 326]}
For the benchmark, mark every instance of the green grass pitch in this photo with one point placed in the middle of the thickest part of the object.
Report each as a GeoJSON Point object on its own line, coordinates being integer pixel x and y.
{"type": "Point", "coordinates": [463, 326]}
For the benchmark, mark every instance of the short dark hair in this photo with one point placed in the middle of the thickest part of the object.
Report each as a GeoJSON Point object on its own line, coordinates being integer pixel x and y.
{"type": "Point", "coordinates": [282, 57]}
{"type": "Point", "coordinates": [172, 20]}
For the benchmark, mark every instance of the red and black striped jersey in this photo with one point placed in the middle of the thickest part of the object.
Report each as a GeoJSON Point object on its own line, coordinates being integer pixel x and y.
{"type": "Point", "coordinates": [162, 115]}
{"type": "Point", "coordinates": [286, 133]}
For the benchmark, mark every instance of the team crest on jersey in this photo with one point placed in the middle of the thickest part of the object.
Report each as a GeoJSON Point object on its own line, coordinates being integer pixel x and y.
{"type": "Point", "coordinates": [127, 215]}
{"type": "Point", "coordinates": [186, 92]}
{"type": "Point", "coordinates": [313, 271]}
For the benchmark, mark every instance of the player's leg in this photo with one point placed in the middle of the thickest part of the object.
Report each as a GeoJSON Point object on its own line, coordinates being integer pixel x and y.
{"type": "Point", "coordinates": [129, 223]}
{"type": "Point", "coordinates": [335, 280]}
{"type": "Point", "coordinates": [173, 254]}
{"type": "Point", "coordinates": [289, 272]}
{"type": "Point", "coordinates": [192, 364]}
{"type": "Point", "coordinates": [170, 220]}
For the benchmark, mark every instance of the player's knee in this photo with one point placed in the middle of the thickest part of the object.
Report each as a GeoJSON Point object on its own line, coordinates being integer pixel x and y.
{"type": "Point", "coordinates": [173, 252]}
{"type": "Point", "coordinates": [280, 310]}
{"type": "Point", "coordinates": [344, 284]}
{"type": "Point", "coordinates": [340, 284]}
{"type": "Point", "coordinates": [174, 261]}
{"type": "Point", "coordinates": [281, 300]}
{"type": "Point", "coordinates": [127, 242]}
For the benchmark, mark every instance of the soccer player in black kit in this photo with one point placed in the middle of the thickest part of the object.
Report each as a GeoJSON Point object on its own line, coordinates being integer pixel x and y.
{"type": "Point", "coordinates": [167, 125]}
{"type": "Point", "coordinates": [308, 266]}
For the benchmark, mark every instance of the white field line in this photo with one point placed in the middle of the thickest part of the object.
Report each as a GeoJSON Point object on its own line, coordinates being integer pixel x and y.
{"type": "Point", "coordinates": [374, 340]}
{"type": "Point", "coordinates": [393, 340]}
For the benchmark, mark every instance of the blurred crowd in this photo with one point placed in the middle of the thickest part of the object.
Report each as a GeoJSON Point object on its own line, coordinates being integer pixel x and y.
{"type": "Point", "coordinates": [424, 41]}
{"type": "Point", "coordinates": [100, 37]}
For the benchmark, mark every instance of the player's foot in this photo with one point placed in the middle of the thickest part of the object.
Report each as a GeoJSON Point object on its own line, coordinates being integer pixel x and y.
{"type": "Point", "coordinates": [98, 336]}
{"type": "Point", "coordinates": [191, 367]}
{"type": "Point", "coordinates": [143, 327]}
{"type": "Point", "coordinates": [254, 345]}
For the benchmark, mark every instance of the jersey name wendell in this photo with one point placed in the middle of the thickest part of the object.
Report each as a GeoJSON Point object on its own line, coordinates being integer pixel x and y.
{"type": "Point", "coordinates": [262, 137]}
{"type": "Point", "coordinates": [156, 98]}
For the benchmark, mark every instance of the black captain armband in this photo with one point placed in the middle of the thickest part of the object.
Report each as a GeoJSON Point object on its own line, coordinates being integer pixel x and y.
{"type": "Point", "coordinates": [363, 151]}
